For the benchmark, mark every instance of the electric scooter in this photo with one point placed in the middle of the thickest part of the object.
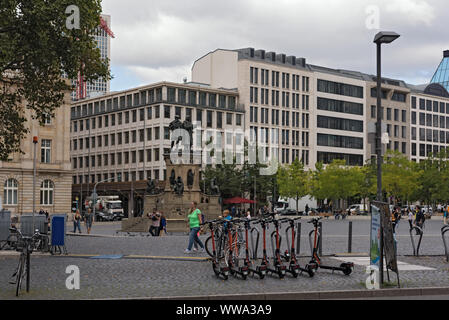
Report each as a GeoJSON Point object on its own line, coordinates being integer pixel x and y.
{"type": "Point", "coordinates": [294, 269]}
{"type": "Point", "coordinates": [260, 270]}
{"type": "Point", "coordinates": [222, 271]}
{"type": "Point", "coordinates": [264, 264]}
{"type": "Point", "coordinates": [232, 260]}
{"type": "Point", "coordinates": [277, 266]}
{"type": "Point", "coordinates": [315, 263]}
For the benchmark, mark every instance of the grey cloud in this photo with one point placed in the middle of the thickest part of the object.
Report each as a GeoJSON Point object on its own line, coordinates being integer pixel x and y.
{"type": "Point", "coordinates": [168, 35]}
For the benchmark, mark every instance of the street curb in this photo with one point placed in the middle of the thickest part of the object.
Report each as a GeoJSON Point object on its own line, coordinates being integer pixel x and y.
{"type": "Point", "coordinates": [317, 295]}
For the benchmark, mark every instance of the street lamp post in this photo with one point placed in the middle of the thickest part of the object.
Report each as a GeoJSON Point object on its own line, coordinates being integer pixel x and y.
{"type": "Point", "coordinates": [383, 37]}
{"type": "Point", "coordinates": [35, 140]}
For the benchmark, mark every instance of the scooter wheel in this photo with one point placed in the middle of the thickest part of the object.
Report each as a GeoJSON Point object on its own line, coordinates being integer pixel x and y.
{"type": "Point", "coordinates": [261, 276]}
{"type": "Point", "coordinates": [216, 270]}
{"type": "Point", "coordinates": [225, 277]}
{"type": "Point", "coordinates": [347, 270]}
{"type": "Point", "coordinates": [310, 271]}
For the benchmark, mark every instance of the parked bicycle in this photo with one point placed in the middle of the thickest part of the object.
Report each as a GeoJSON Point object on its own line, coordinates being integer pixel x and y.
{"type": "Point", "coordinates": [219, 268]}
{"type": "Point", "coordinates": [26, 245]}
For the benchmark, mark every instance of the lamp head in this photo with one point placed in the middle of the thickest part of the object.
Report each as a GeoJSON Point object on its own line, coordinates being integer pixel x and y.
{"type": "Point", "coordinates": [385, 37]}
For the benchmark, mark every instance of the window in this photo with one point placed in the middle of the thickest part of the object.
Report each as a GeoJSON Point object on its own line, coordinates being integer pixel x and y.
{"type": "Point", "coordinates": [339, 124]}
{"type": "Point", "coordinates": [10, 192]}
{"type": "Point", "coordinates": [219, 120]}
{"type": "Point", "coordinates": [209, 119]}
{"type": "Point", "coordinates": [340, 88]}
{"type": "Point", "coordinates": [47, 189]}
{"type": "Point", "coordinates": [167, 112]}
{"type": "Point", "coordinates": [45, 151]}
{"type": "Point", "coordinates": [339, 141]}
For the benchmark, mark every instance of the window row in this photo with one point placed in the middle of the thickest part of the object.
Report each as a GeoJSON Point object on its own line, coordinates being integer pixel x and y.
{"type": "Point", "coordinates": [429, 105]}
{"type": "Point", "coordinates": [430, 135]}
{"type": "Point", "coordinates": [335, 141]}
{"type": "Point", "coordinates": [425, 150]}
{"type": "Point", "coordinates": [11, 192]}
{"type": "Point", "coordinates": [174, 95]}
{"type": "Point", "coordinates": [339, 124]}
{"type": "Point", "coordinates": [275, 77]}
{"type": "Point", "coordinates": [340, 88]}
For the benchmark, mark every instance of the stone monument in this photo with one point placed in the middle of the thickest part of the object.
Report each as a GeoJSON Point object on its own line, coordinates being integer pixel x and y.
{"type": "Point", "coordinates": [182, 186]}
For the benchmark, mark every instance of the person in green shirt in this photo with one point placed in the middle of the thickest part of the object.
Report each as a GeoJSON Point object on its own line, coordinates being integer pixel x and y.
{"type": "Point", "coordinates": [195, 221]}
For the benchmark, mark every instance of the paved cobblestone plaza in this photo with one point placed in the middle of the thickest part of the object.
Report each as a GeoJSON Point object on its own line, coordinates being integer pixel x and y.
{"type": "Point", "coordinates": [157, 267]}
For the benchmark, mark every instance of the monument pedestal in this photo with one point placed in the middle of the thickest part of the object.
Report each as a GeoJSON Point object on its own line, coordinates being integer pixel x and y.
{"type": "Point", "coordinates": [173, 206]}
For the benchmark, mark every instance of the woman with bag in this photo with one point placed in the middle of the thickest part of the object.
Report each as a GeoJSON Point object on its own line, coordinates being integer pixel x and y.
{"type": "Point", "coordinates": [195, 220]}
{"type": "Point", "coordinates": [77, 221]}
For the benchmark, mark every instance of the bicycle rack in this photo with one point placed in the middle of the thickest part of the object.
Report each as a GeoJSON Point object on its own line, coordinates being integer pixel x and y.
{"type": "Point", "coordinates": [446, 247]}
{"type": "Point", "coordinates": [254, 245]}
{"type": "Point", "coordinates": [420, 233]}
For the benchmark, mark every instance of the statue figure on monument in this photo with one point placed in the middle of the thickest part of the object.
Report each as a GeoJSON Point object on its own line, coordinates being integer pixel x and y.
{"type": "Point", "coordinates": [175, 124]}
{"type": "Point", "coordinates": [214, 189]}
{"type": "Point", "coordinates": [188, 126]}
{"type": "Point", "coordinates": [179, 187]}
{"type": "Point", "coordinates": [151, 187]}
{"type": "Point", "coordinates": [190, 179]}
{"type": "Point", "coordinates": [172, 179]}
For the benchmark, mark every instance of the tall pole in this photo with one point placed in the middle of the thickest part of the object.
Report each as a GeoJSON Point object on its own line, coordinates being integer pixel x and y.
{"type": "Point", "coordinates": [379, 158]}
{"type": "Point", "coordinates": [89, 163]}
{"type": "Point", "coordinates": [35, 139]}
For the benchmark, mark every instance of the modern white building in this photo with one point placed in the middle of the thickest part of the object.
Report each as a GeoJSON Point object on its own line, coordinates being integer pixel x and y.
{"type": "Point", "coordinates": [280, 95]}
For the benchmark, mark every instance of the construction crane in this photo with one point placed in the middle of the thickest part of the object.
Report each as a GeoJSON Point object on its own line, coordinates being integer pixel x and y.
{"type": "Point", "coordinates": [81, 88]}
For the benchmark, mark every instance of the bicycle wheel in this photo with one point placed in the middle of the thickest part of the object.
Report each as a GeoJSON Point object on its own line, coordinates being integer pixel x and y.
{"type": "Point", "coordinates": [208, 246]}
{"type": "Point", "coordinates": [20, 273]}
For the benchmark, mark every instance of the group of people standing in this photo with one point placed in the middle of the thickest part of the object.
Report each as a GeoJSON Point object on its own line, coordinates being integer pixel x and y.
{"type": "Point", "coordinates": [158, 223]}
{"type": "Point", "coordinates": [88, 219]}
{"type": "Point", "coordinates": [416, 217]}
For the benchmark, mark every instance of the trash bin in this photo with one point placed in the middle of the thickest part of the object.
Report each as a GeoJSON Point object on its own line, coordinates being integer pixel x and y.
{"type": "Point", "coordinates": [5, 224]}
{"type": "Point", "coordinates": [58, 230]}
{"type": "Point", "coordinates": [26, 224]}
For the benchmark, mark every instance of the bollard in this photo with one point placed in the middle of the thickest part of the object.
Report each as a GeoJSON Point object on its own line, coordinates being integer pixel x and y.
{"type": "Point", "coordinates": [320, 240]}
{"type": "Point", "coordinates": [298, 238]}
{"type": "Point", "coordinates": [350, 237]}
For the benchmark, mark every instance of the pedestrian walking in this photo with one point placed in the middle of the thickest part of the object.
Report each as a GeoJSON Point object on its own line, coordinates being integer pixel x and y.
{"type": "Point", "coordinates": [445, 214]}
{"type": "Point", "coordinates": [395, 217]}
{"type": "Point", "coordinates": [88, 219]}
{"type": "Point", "coordinates": [195, 220]}
{"type": "Point", "coordinates": [163, 226]}
{"type": "Point", "coordinates": [77, 221]}
{"type": "Point", "coordinates": [155, 218]}
{"type": "Point", "coordinates": [248, 215]}
{"type": "Point", "coordinates": [410, 218]}
{"type": "Point", "coordinates": [419, 219]}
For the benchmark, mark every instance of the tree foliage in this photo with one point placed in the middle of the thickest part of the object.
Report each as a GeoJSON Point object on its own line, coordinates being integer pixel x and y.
{"type": "Point", "coordinates": [36, 48]}
{"type": "Point", "coordinates": [293, 181]}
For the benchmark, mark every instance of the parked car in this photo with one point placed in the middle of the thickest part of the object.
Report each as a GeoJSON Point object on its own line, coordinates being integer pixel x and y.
{"type": "Point", "coordinates": [288, 212]}
{"type": "Point", "coordinates": [357, 209]}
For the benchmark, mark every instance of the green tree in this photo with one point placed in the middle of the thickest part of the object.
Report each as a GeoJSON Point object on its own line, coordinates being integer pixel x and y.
{"type": "Point", "coordinates": [293, 181]}
{"type": "Point", "coordinates": [36, 48]}
{"type": "Point", "coordinates": [434, 178]}
{"type": "Point", "coordinates": [400, 176]}
{"type": "Point", "coordinates": [335, 181]}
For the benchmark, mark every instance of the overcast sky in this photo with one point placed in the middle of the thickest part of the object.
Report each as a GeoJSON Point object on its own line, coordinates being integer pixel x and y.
{"type": "Point", "coordinates": [160, 39]}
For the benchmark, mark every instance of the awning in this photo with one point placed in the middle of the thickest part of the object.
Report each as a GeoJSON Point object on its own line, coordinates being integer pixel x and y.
{"type": "Point", "coordinates": [237, 200]}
